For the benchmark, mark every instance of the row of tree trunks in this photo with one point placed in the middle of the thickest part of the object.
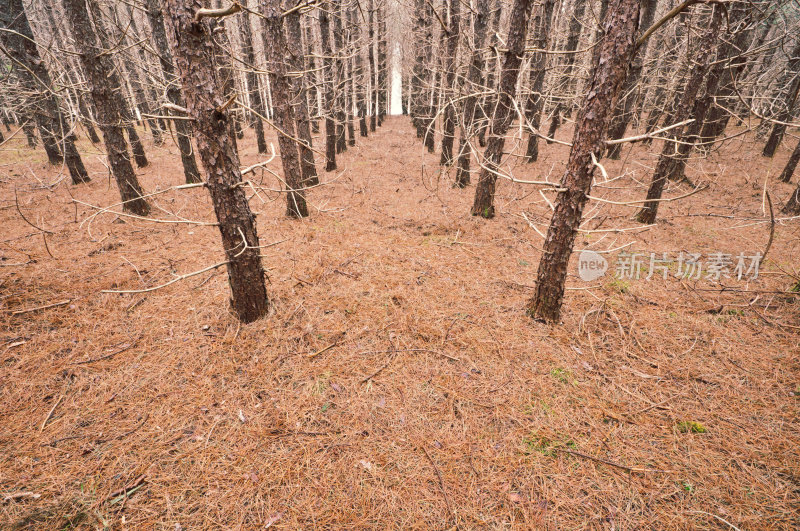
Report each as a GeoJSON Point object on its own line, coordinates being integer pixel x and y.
{"type": "Point", "coordinates": [535, 103]}
{"type": "Point", "coordinates": [450, 89]}
{"type": "Point", "coordinates": [299, 101]}
{"type": "Point", "coordinates": [274, 46]}
{"type": "Point", "coordinates": [473, 87]}
{"type": "Point", "coordinates": [105, 92]}
{"type": "Point", "coordinates": [251, 77]}
{"type": "Point", "coordinates": [624, 111]}
{"type": "Point", "coordinates": [701, 63]}
{"type": "Point", "coordinates": [483, 204]}
{"type": "Point", "coordinates": [56, 132]}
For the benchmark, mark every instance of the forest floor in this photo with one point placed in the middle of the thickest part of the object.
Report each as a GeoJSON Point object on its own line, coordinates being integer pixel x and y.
{"type": "Point", "coordinates": [397, 382]}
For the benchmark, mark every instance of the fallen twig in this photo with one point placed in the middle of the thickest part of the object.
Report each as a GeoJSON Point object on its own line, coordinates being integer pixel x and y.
{"type": "Point", "coordinates": [36, 309]}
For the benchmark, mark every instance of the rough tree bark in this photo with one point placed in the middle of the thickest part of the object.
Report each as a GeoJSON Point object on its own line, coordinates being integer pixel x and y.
{"type": "Point", "coordinates": [328, 77]}
{"type": "Point", "coordinates": [535, 104]}
{"type": "Point", "coordinates": [611, 64]}
{"type": "Point", "coordinates": [666, 161]}
{"type": "Point", "coordinates": [115, 83]}
{"type": "Point", "coordinates": [483, 204]}
{"type": "Point", "coordinates": [109, 104]}
{"type": "Point", "coordinates": [183, 128]}
{"type": "Point", "coordinates": [296, 62]}
{"type": "Point", "coordinates": [450, 88]}
{"type": "Point", "coordinates": [54, 129]}
{"type": "Point", "coordinates": [383, 67]}
{"type": "Point", "coordinates": [373, 79]}
{"type": "Point", "coordinates": [624, 111]}
{"type": "Point", "coordinates": [473, 85]}
{"type": "Point", "coordinates": [274, 46]}
{"type": "Point", "coordinates": [359, 83]}
{"type": "Point", "coordinates": [205, 100]}
{"type": "Point", "coordinates": [340, 83]}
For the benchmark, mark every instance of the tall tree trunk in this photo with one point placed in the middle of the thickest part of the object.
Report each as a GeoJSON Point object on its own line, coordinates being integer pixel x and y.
{"type": "Point", "coordinates": [450, 88]}
{"type": "Point", "coordinates": [275, 45]}
{"type": "Point", "coordinates": [535, 105]}
{"type": "Point", "coordinates": [665, 166]}
{"type": "Point", "coordinates": [253, 87]}
{"type": "Point", "coordinates": [778, 129]}
{"type": "Point", "coordinates": [489, 101]}
{"type": "Point", "coordinates": [54, 129]}
{"type": "Point", "coordinates": [205, 100]}
{"type": "Point", "coordinates": [224, 61]}
{"type": "Point", "coordinates": [341, 77]}
{"type": "Point", "coordinates": [474, 75]}
{"type": "Point", "coordinates": [183, 128]}
{"type": "Point", "coordinates": [503, 114]}
{"type": "Point", "coordinates": [741, 26]}
{"type": "Point", "coordinates": [383, 66]}
{"type": "Point", "coordinates": [350, 87]}
{"type": "Point", "coordinates": [611, 64]}
{"type": "Point", "coordinates": [294, 56]}
{"type": "Point", "coordinates": [373, 79]}
{"type": "Point", "coordinates": [109, 103]}
{"type": "Point", "coordinates": [419, 71]}
{"type": "Point", "coordinates": [624, 111]}
{"type": "Point", "coordinates": [791, 165]}
{"type": "Point", "coordinates": [328, 80]}
{"type": "Point", "coordinates": [359, 83]}
{"type": "Point", "coordinates": [116, 84]}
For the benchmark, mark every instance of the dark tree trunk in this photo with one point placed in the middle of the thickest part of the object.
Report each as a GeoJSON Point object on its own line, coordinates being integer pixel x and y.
{"type": "Point", "coordinates": [53, 127]}
{"type": "Point", "coordinates": [350, 88]}
{"type": "Point", "coordinates": [575, 27]}
{"type": "Point", "coordinates": [427, 106]}
{"type": "Point", "coordinates": [116, 84]}
{"type": "Point", "coordinates": [419, 71]}
{"type": "Point", "coordinates": [489, 101]}
{"type": "Point", "coordinates": [205, 99]}
{"type": "Point", "coordinates": [359, 83]}
{"type": "Point", "coordinates": [792, 205]}
{"type": "Point", "coordinates": [535, 104]}
{"type": "Point", "coordinates": [373, 79]}
{"type": "Point", "coordinates": [473, 85]}
{"type": "Point", "coordinates": [503, 114]}
{"type": "Point", "coordinates": [450, 88]}
{"type": "Point", "coordinates": [665, 166]}
{"type": "Point", "coordinates": [109, 103]}
{"type": "Point", "coordinates": [183, 128]}
{"type": "Point", "coordinates": [791, 165]}
{"type": "Point", "coordinates": [275, 46]}
{"type": "Point", "coordinates": [328, 77]}
{"type": "Point", "coordinates": [341, 79]}
{"type": "Point", "coordinates": [778, 129]}
{"type": "Point", "coordinates": [383, 67]}
{"type": "Point", "coordinates": [624, 111]}
{"type": "Point", "coordinates": [313, 86]}
{"type": "Point", "coordinates": [611, 63]}
{"type": "Point", "coordinates": [718, 117]}
{"type": "Point", "coordinates": [300, 100]}
{"type": "Point", "coordinates": [253, 87]}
